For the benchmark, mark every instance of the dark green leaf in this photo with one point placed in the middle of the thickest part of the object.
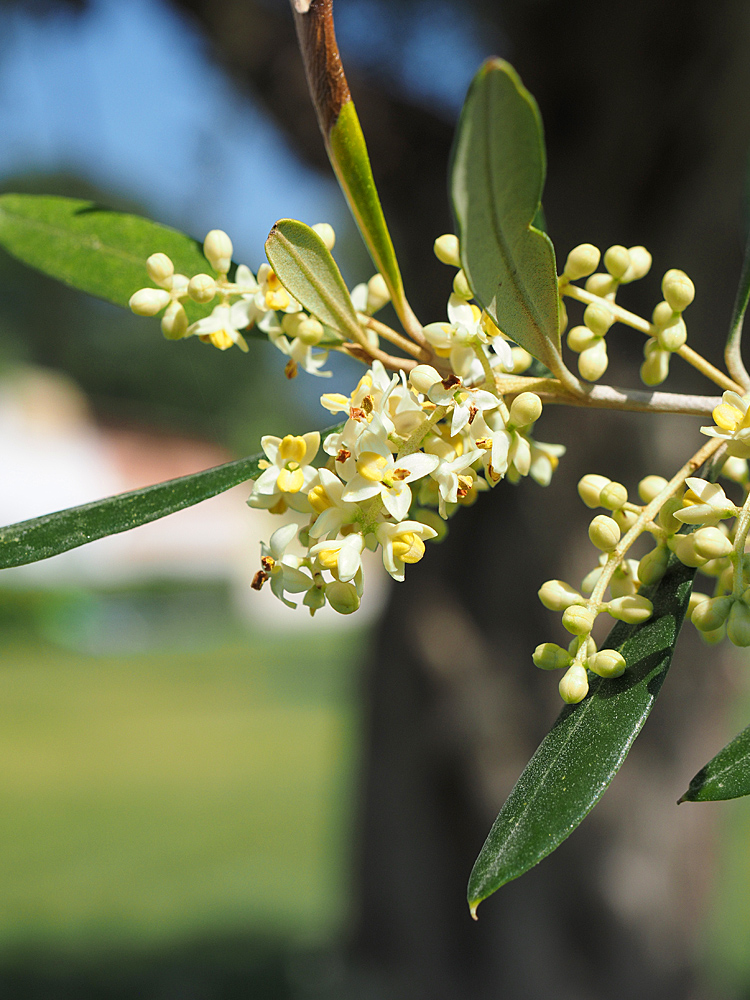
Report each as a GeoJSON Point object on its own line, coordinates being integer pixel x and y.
{"type": "Point", "coordinates": [93, 248]}
{"type": "Point", "coordinates": [305, 267]}
{"type": "Point", "coordinates": [42, 537]}
{"type": "Point", "coordinates": [496, 182]}
{"type": "Point", "coordinates": [726, 776]}
{"type": "Point", "coordinates": [732, 351]}
{"type": "Point", "coordinates": [585, 748]}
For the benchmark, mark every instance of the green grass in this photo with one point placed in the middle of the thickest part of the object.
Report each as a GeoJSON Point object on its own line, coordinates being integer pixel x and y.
{"type": "Point", "coordinates": [151, 798]}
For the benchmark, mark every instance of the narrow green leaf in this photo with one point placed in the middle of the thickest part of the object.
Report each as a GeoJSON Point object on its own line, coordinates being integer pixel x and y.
{"type": "Point", "coordinates": [42, 537]}
{"type": "Point", "coordinates": [92, 248]}
{"type": "Point", "coordinates": [726, 776]}
{"type": "Point", "coordinates": [307, 270]}
{"type": "Point", "coordinates": [733, 350]}
{"type": "Point", "coordinates": [497, 178]}
{"type": "Point", "coordinates": [579, 757]}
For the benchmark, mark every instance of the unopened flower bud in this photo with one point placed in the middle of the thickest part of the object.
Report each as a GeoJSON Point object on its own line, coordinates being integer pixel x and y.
{"type": "Point", "coordinates": [613, 496]}
{"type": "Point", "coordinates": [655, 368]}
{"type": "Point", "coordinates": [711, 543]}
{"type": "Point", "coordinates": [342, 597]}
{"type": "Point", "coordinates": [592, 363]}
{"type": "Point", "coordinates": [683, 547]}
{"type": "Point", "coordinates": [735, 469]}
{"type": "Point", "coordinates": [217, 249]}
{"type": "Point", "coordinates": [738, 624]}
{"type": "Point", "coordinates": [607, 663]}
{"type": "Point", "coordinates": [666, 517]}
{"type": "Point", "coordinates": [711, 614]}
{"type": "Point", "coordinates": [580, 338]}
{"type": "Point", "coordinates": [575, 643]}
{"type": "Point", "coordinates": [633, 610]}
{"type": "Point", "coordinates": [578, 620]}
{"type": "Point", "coordinates": [617, 261]}
{"type": "Point", "coordinates": [640, 264]}
{"type": "Point", "coordinates": [314, 599]}
{"type": "Point", "coordinates": [446, 250]}
{"type": "Point", "coordinates": [202, 288]}
{"type": "Point", "coordinates": [673, 337]}
{"type": "Point", "coordinates": [174, 322]}
{"type": "Point", "coordinates": [677, 289]}
{"type": "Point", "coordinates": [598, 318]}
{"type": "Point", "coordinates": [148, 301]}
{"type": "Point", "coordinates": [562, 318]}
{"type": "Point", "coordinates": [574, 685]}
{"type": "Point", "coordinates": [664, 315]}
{"type": "Point", "coordinates": [326, 232]}
{"type": "Point", "coordinates": [423, 377]}
{"type": "Point", "coordinates": [582, 261]}
{"type": "Point", "coordinates": [377, 293]}
{"type": "Point", "coordinates": [160, 269]}
{"type": "Point", "coordinates": [558, 595]}
{"type": "Point", "coordinates": [525, 409]}
{"type": "Point", "coordinates": [461, 285]}
{"type": "Point", "coordinates": [625, 519]}
{"type": "Point", "coordinates": [653, 566]}
{"type": "Point", "coordinates": [622, 585]}
{"type": "Point", "coordinates": [522, 360]}
{"type": "Point", "coordinates": [604, 532]}
{"type": "Point", "coordinates": [590, 489]}
{"type": "Point", "coordinates": [310, 330]}
{"type": "Point", "coordinates": [650, 487]}
{"type": "Point", "coordinates": [694, 600]}
{"type": "Point", "coordinates": [601, 284]}
{"type": "Point", "coordinates": [550, 656]}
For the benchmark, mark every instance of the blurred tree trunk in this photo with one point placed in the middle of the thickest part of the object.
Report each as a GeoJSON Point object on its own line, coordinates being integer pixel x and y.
{"type": "Point", "coordinates": [647, 132]}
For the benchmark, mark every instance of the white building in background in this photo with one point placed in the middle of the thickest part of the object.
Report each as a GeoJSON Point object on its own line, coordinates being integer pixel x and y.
{"type": "Point", "coordinates": [53, 455]}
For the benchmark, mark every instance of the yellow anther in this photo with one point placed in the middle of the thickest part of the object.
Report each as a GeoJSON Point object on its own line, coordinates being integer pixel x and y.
{"type": "Point", "coordinates": [409, 547]}
{"type": "Point", "coordinates": [292, 449]}
{"type": "Point", "coordinates": [290, 481]}
{"type": "Point", "coordinates": [220, 339]}
{"type": "Point", "coordinates": [319, 499]}
{"type": "Point", "coordinates": [370, 466]}
{"type": "Point", "coordinates": [329, 559]}
{"type": "Point", "coordinates": [727, 417]}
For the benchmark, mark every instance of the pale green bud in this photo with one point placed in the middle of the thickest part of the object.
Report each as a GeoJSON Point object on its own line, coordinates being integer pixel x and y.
{"type": "Point", "coordinates": [201, 288]}
{"type": "Point", "coordinates": [607, 663]}
{"type": "Point", "coordinates": [525, 409]}
{"type": "Point", "coordinates": [578, 620]}
{"type": "Point", "coordinates": [712, 638]}
{"type": "Point", "coordinates": [604, 532]}
{"type": "Point", "coordinates": [653, 565]}
{"type": "Point", "coordinates": [672, 338]}
{"type": "Point", "coordinates": [589, 581]}
{"type": "Point", "coordinates": [377, 293]}
{"type": "Point", "coordinates": [217, 249]}
{"type": "Point", "coordinates": [714, 567]}
{"type": "Point", "coordinates": [446, 250]}
{"type": "Point", "coordinates": [148, 301]}
{"type": "Point", "coordinates": [522, 360]}
{"type": "Point", "coordinates": [683, 547]}
{"type": "Point", "coordinates": [310, 331]}
{"type": "Point", "coordinates": [327, 233]}
{"type": "Point", "coordinates": [290, 323]}
{"type": "Point", "coordinates": [580, 338]}
{"type": "Point", "coordinates": [582, 261]}
{"type": "Point", "coordinates": [461, 285]}
{"type": "Point", "coordinates": [694, 600]}
{"type": "Point", "coordinates": [589, 643]}
{"type": "Point", "coordinates": [651, 487]}
{"type": "Point", "coordinates": [664, 315]}
{"type": "Point", "coordinates": [711, 614]}
{"type": "Point", "coordinates": [342, 597]}
{"type": "Point", "coordinates": [557, 595]}
{"type": "Point", "coordinates": [562, 317]}
{"type": "Point", "coordinates": [433, 520]}
{"type": "Point", "coordinates": [617, 261]}
{"type": "Point", "coordinates": [666, 517]}
{"type": "Point", "coordinates": [160, 269]}
{"type": "Point", "coordinates": [625, 519]}
{"type": "Point", "coordinates": [677, 289]}
{"type": "Point", "coordinates": [590, 489]}
{"type": "Point", "coordinates": [174, 322]}
{"type": "Point", "coordinates": [633, 609]}
{"type": "Point", "coordinates": [738, 624]}
{"type": "Point", "coordinates": [592, 363]}
{"type": "Point", "coordinates": [423, 377]}
{"type": "Point", "coordinates": [711, 543]}
{"type": "Point", "coordinates": [314, 599]}
{"type": "Point", "coordinates": [598, 318]}
{"type": "Point", "coordinates": [550, 656]}
{"type": "Point", "coordinates": [655, 368]}
{"type": "Point", "coordinates": [601, 284]}
{"type": "Point", "coordinates": [622, 585]}
{"type": "Point", "coordinates": [613, 496]}
{"type": "Point", "coordinates": [574, 685]}
{"type": "Point", "coordinates": [735, 469]}
{"type": "Point", "coordinates": [640, 264]}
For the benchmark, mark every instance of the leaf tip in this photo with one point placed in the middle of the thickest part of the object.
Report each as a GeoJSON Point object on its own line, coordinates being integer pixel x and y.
{"type": "Point", "coordinates": [473, 904]}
